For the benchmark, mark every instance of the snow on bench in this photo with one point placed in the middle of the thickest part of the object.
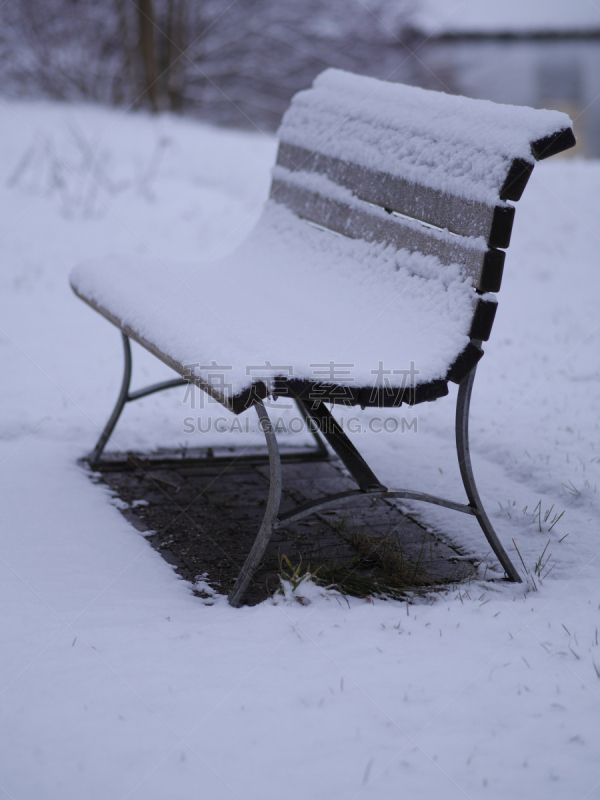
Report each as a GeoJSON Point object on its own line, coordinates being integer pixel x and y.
{"type": "Point", "coordinates": [379, 248]}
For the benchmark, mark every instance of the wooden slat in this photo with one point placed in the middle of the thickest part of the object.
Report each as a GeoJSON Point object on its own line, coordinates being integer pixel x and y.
{"type": "Point", "coordinates": [516, 179]}
{"type": "Point", "coordinates": [465, 217]}
{"type": "Point", "coordinates": [520, 169]}
{"type": "Point", "coordinates": [553, 144]}
{"type": "Point", "coordinates": [368, 396]}
{"type": "Point", "coordinates": [485, 267]}
{"type": "Point", "coordinates": [483, 319]}
{"type": "Point", "coordinates": [464, 363]}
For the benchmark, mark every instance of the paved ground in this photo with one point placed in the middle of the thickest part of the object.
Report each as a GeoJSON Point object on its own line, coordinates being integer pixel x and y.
{"type": "Point", "coordinates": [202, 513]}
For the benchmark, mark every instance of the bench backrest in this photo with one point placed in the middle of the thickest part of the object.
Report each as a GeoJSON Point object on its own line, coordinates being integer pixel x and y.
{"type": "Point", "coordinates": [422, 170]}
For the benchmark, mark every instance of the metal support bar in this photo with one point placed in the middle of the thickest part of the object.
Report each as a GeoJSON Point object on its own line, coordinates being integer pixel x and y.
{"type": "Point", "coordinates": [466, 470]}
{"type": "Point", "coordinates": [313, 428]}
{"type": "Point", "coordinates": [329, 427]}
{"type": "Point", "coordinates": [156, 387]}
{"type": "Point", "coordinates": [125, 396]}
{"type": "Point", "coordinates": [266, 529]}
{"type": "Point", "coordinates": [122, 399]}
{"type": "Point", "coordinates": [343, 498]}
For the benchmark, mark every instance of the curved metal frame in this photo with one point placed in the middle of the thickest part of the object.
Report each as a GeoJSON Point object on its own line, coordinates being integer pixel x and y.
{"type": "Point", "coordinates": [315, 416]}
{"type": "Point", "coordinates": [356, 467]}
{"type": "Point", "coordinates": [371, 488]}
{"type": "Point", "coordinates": [463, 404]}
{"type": "Point", "coordinates": [125, 396]}
{"type": "Point", "coordinates": [270, 518]}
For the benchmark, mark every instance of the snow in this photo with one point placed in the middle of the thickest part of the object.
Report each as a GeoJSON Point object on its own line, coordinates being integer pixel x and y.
{"type": "Point", "coordinates": [116, 682]}
{"type": "Point", "coordinates": [204, 314]}
{"type": "Point", "coordinates": [453, 144]}
{"type": "Point", "coordinates": [282, 280]}
{"type": "Point", "coordinates": [436, 17]}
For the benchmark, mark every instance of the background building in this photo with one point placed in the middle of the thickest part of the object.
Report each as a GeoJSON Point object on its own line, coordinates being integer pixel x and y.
{"type": "Point", "coordinates": [541, 53]}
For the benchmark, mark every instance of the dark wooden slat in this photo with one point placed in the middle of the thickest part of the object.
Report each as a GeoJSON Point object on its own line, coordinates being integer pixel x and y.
{"type": "Point", "coordinates": [553, 144]}
{"type": "Point", "coordinates": [491, 274]}
{"type": "Point", "coordinates": [465, 217]}
{"type": "Point", "coordinates": [363, 224]}
{"type": "Point", "coordinates": [502, 224]}
{"type": "Point", "coordinates": [464, 363]}
{"type": "Point", "coordinates": [384, 398]}
{"type": "Point", "coordinates": [516, 179]}
{"type": "Point", "coordinates": [483, 319]}
{"type": "Point", "coordinates": [364, 396]}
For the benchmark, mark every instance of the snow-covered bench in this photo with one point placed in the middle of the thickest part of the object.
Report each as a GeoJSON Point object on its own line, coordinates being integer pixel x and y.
{"type": "Point", "coordinates": [418, 184]}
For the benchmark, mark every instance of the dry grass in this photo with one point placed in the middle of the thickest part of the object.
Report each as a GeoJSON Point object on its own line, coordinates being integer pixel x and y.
{"type": "Point", "coordinates": [379, 569]}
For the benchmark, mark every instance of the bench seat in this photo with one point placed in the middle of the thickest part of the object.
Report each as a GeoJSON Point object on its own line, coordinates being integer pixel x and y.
{"type": "Point", "coordinates": [298, 303]}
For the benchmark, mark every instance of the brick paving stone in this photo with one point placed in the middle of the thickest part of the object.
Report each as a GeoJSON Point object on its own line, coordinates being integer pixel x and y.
{"type": "Point", "coordinates": [202, 515]}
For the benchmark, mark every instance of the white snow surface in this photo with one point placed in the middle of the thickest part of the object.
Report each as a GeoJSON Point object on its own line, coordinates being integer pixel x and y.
{"type": "Point", "coordinates": [117, 682]}
{"type": "Point", "coordinates": [453, 144]}
{"type": "Point", "coordinates": [290, 297]}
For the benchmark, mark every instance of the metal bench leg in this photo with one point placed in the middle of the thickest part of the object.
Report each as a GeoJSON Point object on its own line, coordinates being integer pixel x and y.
{"type": "Point", "coordinates": [313, 428]}
{"type": "Point", "coordinates": [266, 529]}
{"type": "Point", "coordinates": [466, 470]}
{"type": "Point", "coordinates": [331, 430]}
{"type": "Point", "coordinates": [123, 398]}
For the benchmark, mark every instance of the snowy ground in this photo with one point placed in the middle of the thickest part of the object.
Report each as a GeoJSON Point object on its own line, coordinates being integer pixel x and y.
{"type": "Point", "coordinates": [116, 682]}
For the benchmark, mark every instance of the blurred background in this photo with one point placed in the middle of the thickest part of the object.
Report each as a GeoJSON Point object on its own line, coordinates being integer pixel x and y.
{"type": "Point", "coordinates": [238, 62]}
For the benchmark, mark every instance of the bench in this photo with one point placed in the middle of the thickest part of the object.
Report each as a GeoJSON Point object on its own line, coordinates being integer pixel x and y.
{"type": "Point", "coordinates": [367, 281]}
